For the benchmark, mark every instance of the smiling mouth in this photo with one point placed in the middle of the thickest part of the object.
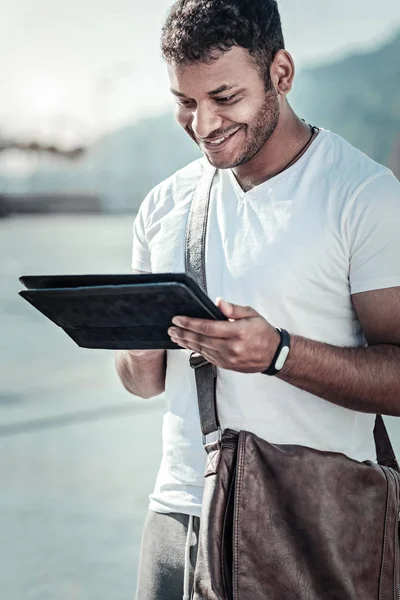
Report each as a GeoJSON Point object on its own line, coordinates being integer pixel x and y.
{"type": "Point", "coordinates": [220, 142]}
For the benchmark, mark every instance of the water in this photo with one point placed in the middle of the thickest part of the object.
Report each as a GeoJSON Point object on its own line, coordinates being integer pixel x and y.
{"type": "Point", "coordinates": [78, 454]}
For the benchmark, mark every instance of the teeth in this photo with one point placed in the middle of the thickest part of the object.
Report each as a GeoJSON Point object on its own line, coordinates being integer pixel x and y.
{"type": "Point", "coordinates": [218, 141]}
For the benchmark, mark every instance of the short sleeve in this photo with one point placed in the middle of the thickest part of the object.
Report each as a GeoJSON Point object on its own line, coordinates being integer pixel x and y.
{"type": "Point", "coordinates": [373, 233]}
{"type": "Point", "coordinates": [140, 248]}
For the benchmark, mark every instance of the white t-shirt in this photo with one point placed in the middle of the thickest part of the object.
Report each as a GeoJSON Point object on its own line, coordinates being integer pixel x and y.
{"type": "Point", "coordinates": [294, 248]}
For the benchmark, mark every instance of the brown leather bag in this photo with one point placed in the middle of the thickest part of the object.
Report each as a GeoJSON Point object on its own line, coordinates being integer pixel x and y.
{"type": "Point", "coordinates": [287, 522]}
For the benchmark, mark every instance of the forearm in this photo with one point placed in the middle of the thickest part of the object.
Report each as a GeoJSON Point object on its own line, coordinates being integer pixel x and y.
{"type": "Point", "coordinates": [362, 379]}
{"type": "Point", "coordinates": [142, 373]}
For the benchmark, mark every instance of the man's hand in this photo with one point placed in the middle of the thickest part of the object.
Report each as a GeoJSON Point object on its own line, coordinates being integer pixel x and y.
{"type": "Point", "coordinates": [246, 343]}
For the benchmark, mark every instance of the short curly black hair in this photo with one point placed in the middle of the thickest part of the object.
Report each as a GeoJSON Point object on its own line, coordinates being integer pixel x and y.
{"type": "Point", "coordinates": [202, 30]}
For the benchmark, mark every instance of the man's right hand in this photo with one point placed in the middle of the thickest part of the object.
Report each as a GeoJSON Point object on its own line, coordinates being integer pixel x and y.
{"type": "Point", "coordinates": [142, 372]}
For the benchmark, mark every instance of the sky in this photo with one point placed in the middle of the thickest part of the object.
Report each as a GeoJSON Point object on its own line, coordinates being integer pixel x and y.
{"type": "Point", "coordinates": [71, 70]}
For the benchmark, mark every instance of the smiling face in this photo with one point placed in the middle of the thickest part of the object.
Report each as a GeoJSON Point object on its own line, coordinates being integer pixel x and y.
{"type": "Point", "coordinates": [224, 107]}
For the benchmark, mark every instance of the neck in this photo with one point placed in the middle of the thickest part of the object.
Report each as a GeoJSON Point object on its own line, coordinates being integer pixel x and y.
{"type": "Point", "coordinates": [289, 136]}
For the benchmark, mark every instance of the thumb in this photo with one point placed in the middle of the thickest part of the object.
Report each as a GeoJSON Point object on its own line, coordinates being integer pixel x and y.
{"type": "Point", "coordinates": [235, 311]}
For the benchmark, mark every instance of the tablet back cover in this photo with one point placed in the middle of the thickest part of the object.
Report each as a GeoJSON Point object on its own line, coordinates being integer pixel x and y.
{"type": "Point", "coordinates": [133, 316]}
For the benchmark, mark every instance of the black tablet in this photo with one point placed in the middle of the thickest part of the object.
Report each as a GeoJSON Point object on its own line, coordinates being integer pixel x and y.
{"type": "Point", "coordinates": [118, 311]}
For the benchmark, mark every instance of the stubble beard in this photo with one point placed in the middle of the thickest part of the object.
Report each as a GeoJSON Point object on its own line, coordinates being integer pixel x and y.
{"type": "Point", "coordinates": [257, 133]}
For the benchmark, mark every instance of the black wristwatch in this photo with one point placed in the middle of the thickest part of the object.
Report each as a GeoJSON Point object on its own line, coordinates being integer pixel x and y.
{"type": "Point", "coordinates": [281, 354]}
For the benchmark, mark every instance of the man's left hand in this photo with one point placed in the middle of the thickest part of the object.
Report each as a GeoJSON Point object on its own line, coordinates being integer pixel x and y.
{"type": "Point", "coordinates": [246, 343]}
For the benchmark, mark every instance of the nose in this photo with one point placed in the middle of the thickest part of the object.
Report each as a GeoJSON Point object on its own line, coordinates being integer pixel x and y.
{"type": "Point", "coordinates": [205, 121]}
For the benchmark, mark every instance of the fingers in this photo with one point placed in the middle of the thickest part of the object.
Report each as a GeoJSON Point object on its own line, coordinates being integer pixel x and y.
{"type": "Point", "coordinates": [201, 345]}
{"type": "Point", "coordinates": [193, 341]}
{"type": "Point", "coordinates": [235, 311]}
{"type": "Point", "coordinates": [215, 329]}
{"type": "Point", "coordinates": [218, 329]}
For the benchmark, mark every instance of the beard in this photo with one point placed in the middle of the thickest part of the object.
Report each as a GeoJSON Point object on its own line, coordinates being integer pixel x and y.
{"type": "Point", "coordinates": [257, 133]}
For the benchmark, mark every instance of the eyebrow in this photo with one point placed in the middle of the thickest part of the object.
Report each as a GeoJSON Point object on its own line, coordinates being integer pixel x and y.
{"type": "Point", "coordinates": [221, 88]}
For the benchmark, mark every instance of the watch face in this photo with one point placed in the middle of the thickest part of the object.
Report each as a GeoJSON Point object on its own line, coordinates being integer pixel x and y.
{"type": "Point", "coordinates": [280, 361]}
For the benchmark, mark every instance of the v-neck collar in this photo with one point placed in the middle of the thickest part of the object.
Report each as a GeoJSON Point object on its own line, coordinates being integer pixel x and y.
{"type": "Point", "coordinates": [242, 195]}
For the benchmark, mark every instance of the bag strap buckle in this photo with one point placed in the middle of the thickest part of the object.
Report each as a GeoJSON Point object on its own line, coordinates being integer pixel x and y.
{"type": "Point", "coordinates": [196, 360]}
{"type": "Point", "coordinates": [219, 430]}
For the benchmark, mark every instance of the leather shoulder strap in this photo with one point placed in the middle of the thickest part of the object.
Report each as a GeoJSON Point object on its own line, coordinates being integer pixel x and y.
{"type": "Point", "coordinates": [195, 266]}
{"type": "Point", "coordinates": [195, 261]}
{"type": "Point", "coordinates": [204, 371]}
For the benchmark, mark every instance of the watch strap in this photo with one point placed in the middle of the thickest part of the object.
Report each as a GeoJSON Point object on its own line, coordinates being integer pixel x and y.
{"type": "Point", "coordinates": [281, 353]}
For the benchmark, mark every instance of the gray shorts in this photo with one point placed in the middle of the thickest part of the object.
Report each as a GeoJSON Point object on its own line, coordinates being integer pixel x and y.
{"type": "Point", "coordinates": [168, 557]}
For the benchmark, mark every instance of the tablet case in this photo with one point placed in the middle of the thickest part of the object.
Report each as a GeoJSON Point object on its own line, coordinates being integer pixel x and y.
{"type": "Point", "coordinates": [118, 311]}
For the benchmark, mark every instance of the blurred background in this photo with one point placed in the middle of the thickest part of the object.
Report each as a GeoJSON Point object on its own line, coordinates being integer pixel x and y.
{"type": "Point", "coordinates": [86, 130]}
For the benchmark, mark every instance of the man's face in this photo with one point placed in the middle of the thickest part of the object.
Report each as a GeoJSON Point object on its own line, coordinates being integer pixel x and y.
{"type": "Point", "coordinates": [224, 107]}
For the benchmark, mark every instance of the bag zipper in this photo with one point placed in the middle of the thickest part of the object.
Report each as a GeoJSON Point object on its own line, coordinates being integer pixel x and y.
{"type": "Point", "coordinates": [398, 554]}
{"type": "Point", "coordinates": [397, 541]}
{"type": "Point", "coordinates": [227, 582]}
{"type": "Point", "coordinates": [394, 475]}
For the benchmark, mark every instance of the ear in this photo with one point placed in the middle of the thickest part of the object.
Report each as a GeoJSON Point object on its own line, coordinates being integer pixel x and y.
{"type": "Point", "coordinates": [282, 72]}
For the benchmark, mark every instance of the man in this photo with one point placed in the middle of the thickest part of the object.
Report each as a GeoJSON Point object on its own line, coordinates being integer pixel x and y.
{"type": "Point", "coordinates": [303, 234]}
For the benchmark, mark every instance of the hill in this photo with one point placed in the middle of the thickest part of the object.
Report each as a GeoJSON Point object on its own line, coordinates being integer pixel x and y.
{"type": "Point", "coordinates": [358, 98]}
